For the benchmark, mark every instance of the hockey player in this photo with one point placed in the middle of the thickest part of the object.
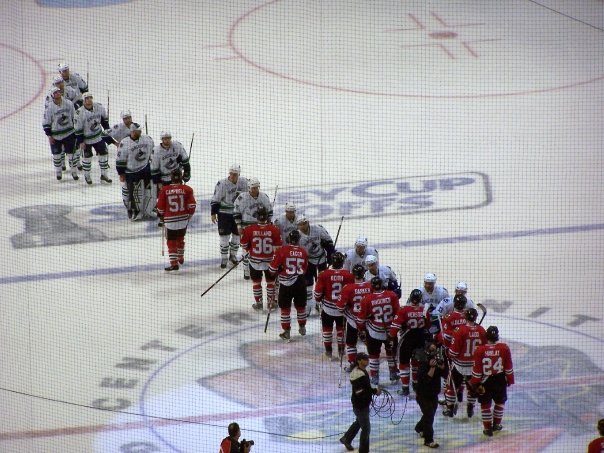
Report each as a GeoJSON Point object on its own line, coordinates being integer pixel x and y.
{"type": "Point", "coordinates": [319, 245]}
{"type": "Point", "coordinates": [58, 127]}
{"type": "Point", "coordinates": [374, 269]}
{"type": "Point", "coordinates": [114, 136]}
{"type": "Point", "coordinates": [432, 293]}
{"type": "Point", "coordinates": [291, 262]}
{"type": "Point", "coordinates": [261, 240]}
{"type": "Point", "coordinates": [445, 306]}
{"type": "Point", "coordinates": [67, 92]}
{"type": "Point", "coordinates": [330, 283]}
{"type": "Point", "coordinates": [175, 206]}
{"type": "Point", "coordinates": [492, 373]}
{"type": "Point", "coordinates": [90, 123]}
{"type": "Point", "coordinates": [349, 303]}
{"type": "Point", "coordinates": [221, 206]}
{"type": "Point", "coordinates": [75, 81]}
{"type": "Point", "coordinates": [377, 312]}
{"type": "Point", "coordinates": [466, 339]}
{"type": "Point", "coordinates": [453, 320]}
{"type": "Point", "coordinates": [287, 222]}
{"type": "Point", "coordinates": [244, 213]}
{"type": "Point", "coordinates": [167, 156]}
{"type": "Point", "coordinates": [132, 164]}
{"type": "Point", "coordinates": [411, 321]}
{"type": "Point", "coordinates": [358, 254]}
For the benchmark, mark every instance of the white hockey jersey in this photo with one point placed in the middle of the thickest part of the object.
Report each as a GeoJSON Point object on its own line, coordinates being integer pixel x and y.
{"type": "Point", "coordinates": [385, 273]}
{"type": "Point", "coordinates": [435, 297]}
{"type": "Point", "coordinates": [445, 306]}
{"type": "Point", "coordinates": [58, 119]}
{"type": "Point", "coordinates": [353, 258]}
{"type": "Point", "coordinates": [119, 132]}
{"type": "Point", "coordinates": [163, 161]}
{"type": "Point", "coordinates": [225, 194]}
{"type": "Point", "coordinates": [312, 243]}
{"type": "Point", "coordinates": [89, 123]}
{"type": "Point", "coordinates": [77, 83]}
{"type": "Point", "coordinates": [286, 226]}
{"type": "Point", "coordinates": [68, 93]}
{"type": "Point", "coordinates": [133, 156]}
{"type": "Point", "coordinates": [244, 210]}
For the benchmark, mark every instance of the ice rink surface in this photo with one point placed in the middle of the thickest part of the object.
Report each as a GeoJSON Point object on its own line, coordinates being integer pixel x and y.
{"type": "Point", "coordinates": [461, 137]}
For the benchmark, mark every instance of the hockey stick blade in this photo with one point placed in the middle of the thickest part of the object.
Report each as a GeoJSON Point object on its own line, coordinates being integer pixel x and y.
{"type": "Point", "coordinates": [484, 312]}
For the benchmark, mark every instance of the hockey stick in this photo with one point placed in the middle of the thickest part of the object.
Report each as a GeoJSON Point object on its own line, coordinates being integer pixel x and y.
{"type": "Point", "coordinates": [338, 233]}
{"type": "Point", "coordinates": [87, 74]}
{"type": "Point", "coordinates": [191, 145]}
{"type": "Point", "coordinates": [223, 275]}
{"type": "Point", "coordinates": [275, 195]}
{"type": "Point", "coordinates": [484, 312]}
{"type": "Point", "coordinates": [449, 368]}
{"type": "Point", "coordinates": [146, 129]}
{"type": "Point", "coordinates": [268, 316]}
{"type": "Point", "coordinates": [343, 352]}
{"type": "Point", "coordinates": [107, 104]}
{"type": "Point", "coordinates": [163, 238]}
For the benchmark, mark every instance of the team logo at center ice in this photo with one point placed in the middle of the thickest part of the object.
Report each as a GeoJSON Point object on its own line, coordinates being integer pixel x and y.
{"type": "Point", "coordinates": [323, 203]}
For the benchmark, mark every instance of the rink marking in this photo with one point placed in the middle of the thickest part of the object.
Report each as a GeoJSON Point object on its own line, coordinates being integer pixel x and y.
{"type": "Point", "coordinates": [386, 245]}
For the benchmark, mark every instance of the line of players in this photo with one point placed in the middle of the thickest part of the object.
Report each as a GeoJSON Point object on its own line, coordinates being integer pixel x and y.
{"type": "Point", "coordinates": [76, 125]}
{"type": "Point", "coordinates": [360, 299]}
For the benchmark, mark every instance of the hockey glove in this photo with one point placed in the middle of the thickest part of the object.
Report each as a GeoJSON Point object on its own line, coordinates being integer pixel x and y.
{"type": "Point", "coordinates": [186, 176]}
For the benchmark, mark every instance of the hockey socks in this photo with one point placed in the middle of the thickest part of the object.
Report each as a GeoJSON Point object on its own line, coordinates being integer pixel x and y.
{"type": "Point", "coordinates": [487, 416]}
{"type": "Point", "coordinates": [257, 290]}
{"type": "Point", "coordinates": [286, 318]}
{"type": "Point", "coordinates": [173, 251]}
{"type": "Point", "coordinates": [180, 250]}
{"type": "Point", "coordinates": [498, 414]}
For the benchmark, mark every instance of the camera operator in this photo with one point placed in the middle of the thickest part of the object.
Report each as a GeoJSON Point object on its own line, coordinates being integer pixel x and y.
{"type": "Point", "coordinates": [431, 369]}
{"type": "Point", "coordinates": [231, 444]}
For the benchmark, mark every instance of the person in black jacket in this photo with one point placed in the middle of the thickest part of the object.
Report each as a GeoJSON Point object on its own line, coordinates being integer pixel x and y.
{"type": "Point", "coordinates": [431, 369]}
{"type": "Point", "coordinates": [231, 443]}
{"type": "Point", "coordinates": [362, 392]}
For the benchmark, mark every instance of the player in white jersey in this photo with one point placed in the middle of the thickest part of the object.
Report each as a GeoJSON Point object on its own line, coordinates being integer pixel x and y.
{"type": "Point", "coordinates": [167, 157]}
{"type": "Point", "coordinates": [319, 245]}
{"type": "Point", "coordinates": [58, 127]}
{"type": "Point", "coordinates": [221, 209]}
{"type": "Point", "coordinates": [287, 222]}
{"type": "Point", "coordinates": [75, 81]}
{"type": "Point", "coordinates": [244, 212]}
{"type": "Point", "coordinates": [115, 135]}
{"type": "Point", "coordinates": [133, 166]}
{"type": "Point", "coordinates": [358, 254]}
{"type": "Point", "coordinates": [432, 294]}
{"type": "Point", "coordinates": [90, 123]}
{"type": "Point", "coordinates": [375, 269]}
{"type": "Point", "coordinates": [67, 92]}
{"type": "Point", "coordinates": [446, 306]}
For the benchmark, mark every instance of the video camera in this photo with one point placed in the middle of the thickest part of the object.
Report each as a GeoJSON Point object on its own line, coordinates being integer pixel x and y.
{"type": "Point", "coordinates": [245, 443]}
{"type": "Point", "coordinates": [421, 355]}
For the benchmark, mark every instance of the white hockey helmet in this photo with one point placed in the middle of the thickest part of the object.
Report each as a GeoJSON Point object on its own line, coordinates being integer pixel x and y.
{"type": "Point", "coordinates": [62, 66]}
{"type": "Point", "coordinates": [461, 286]}
{"type": "Point", "coordinates": [54, 90]}
{"type": "Point", "coordinates": [301, 219]}
{"type": "Point", "coordinates": [126, 113]}
{"type": "Point", "coordinates": [289, 206]}
{"type": "Point", "coordinates": [429, 277]}
{"type": "Point", "coordinates": [371, 259]}
{"type": "Point", "coordinates": [57, 80]}
{"type": "Point", "coordinates": [253, 182]}
{"type": "Point", "coordinates": [361, 241]}
{"type": "Point", "coordinates": [165, 134]}
{"type": "Point", "coordinates": [136, 127]}
{"type": "Point", "coordinates": [235, 168]}
{"type": "Point", "coordinates": [88, 94]}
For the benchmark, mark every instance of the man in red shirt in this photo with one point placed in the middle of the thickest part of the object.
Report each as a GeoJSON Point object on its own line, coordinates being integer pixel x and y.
{"type": "Point", "coordinates": [377, 311]}
{"type": "Point", "coordinates": [349, 303]}
{"type": "Point", "coordinates": [231, 443]}
{"type": "Point", "coordinates": [492, 373]}
{"type": "Point", "coordinates": [327, 292]}
{"type": "Point", "coordinates": [290, 263]}
{"type": "Point", "coordinates": [261, 240]}
{"type": "Point", "coordinates": [175, 207]}
{"type": "Point", "coordinates": [597, 445]}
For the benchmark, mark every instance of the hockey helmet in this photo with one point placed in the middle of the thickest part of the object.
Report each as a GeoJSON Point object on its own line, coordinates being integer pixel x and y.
{"type": "Point", "coordinates": [253, 182]}
{"type": "Point", "coordinates": [176, 176]}
{"type": "Point", "coordinates": [57, 80]}
{"type": "Point", "coordinates": [62, 67]}
{"type": "Point", "coordinates": [289, 206]}
{"type": "Point", "coordinates": [361, 241]}
{"type": "Point", "coordinates": [429, 277]}
{"type": "Point", "coordinates": [301, 219]}
{"type": "Point", "coordinates": [461, 286]}
{"type": "Point", "coordinates": [235, 168]}
{"type": "Point", "coordinates": [370, 259]}
{"type": "Point", "coordinates": [88, 94]}
{"type": "Point", "coordinates": [294, 237]}
{"type": "Point", "coordinates": [471, 314]}
{"type": "Point", "coordinates": [416, 296]}
{"type": "Point", "coordinates": [337, 260]}
{"type": "Point", "coordinates": [459, 302]}
{"type": "Point", "coordinates": [376, 283]}
{"type": "Point", "coordinates": [165, 134]}
{"type": "Point", "coordinates": [358, 271]}
{"type": "Point", "coordinates": [492, 333]}
{"type": "Point", "coordinates": [126, 113]}
{"type": "Point", "coordinates": [54, 90]}
{"type": "Point", "coordinates": [262, 214]}
{"type": "Point", "coordinates": [136, 127]}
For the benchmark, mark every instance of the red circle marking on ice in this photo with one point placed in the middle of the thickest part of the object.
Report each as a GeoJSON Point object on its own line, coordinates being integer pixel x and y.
{"type": "Point", "coordinates": [41, 72]}
{"type": "Point", "coordinates": [443, 35]}
{"type": "Point", "coordinates": [249, 60]}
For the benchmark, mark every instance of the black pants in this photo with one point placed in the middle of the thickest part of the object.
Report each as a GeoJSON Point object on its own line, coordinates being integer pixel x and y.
{"type": "Point", "coordinates": [428, 404]}
{"type": "Point", "coordinates": [361, 423]}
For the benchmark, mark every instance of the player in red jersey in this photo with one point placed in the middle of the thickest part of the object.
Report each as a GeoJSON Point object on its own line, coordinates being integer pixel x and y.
{"type": "Point", "coordinates": [260, 241]}
{"type": "Point", "coordinates": [597, 445]}
{"type": "Point", "coordinates": [349, 304]}
{"type": "Point", "coordinates": [492, 373]}
{"type": "Point", "coordinates": [412, 321]}
{"type": "Point", "coordinates": [175, 206]}
{"type": "Point", "coordinates": [465, 340]}
{"type": "Point", "coordinates": [290, 263]}
{"type": "Point", "coordinates": [377, 311]}
{"type": "Point", "coordinates": [328, 288]}
{"type": "Point", "coordinates": [453, 320]}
